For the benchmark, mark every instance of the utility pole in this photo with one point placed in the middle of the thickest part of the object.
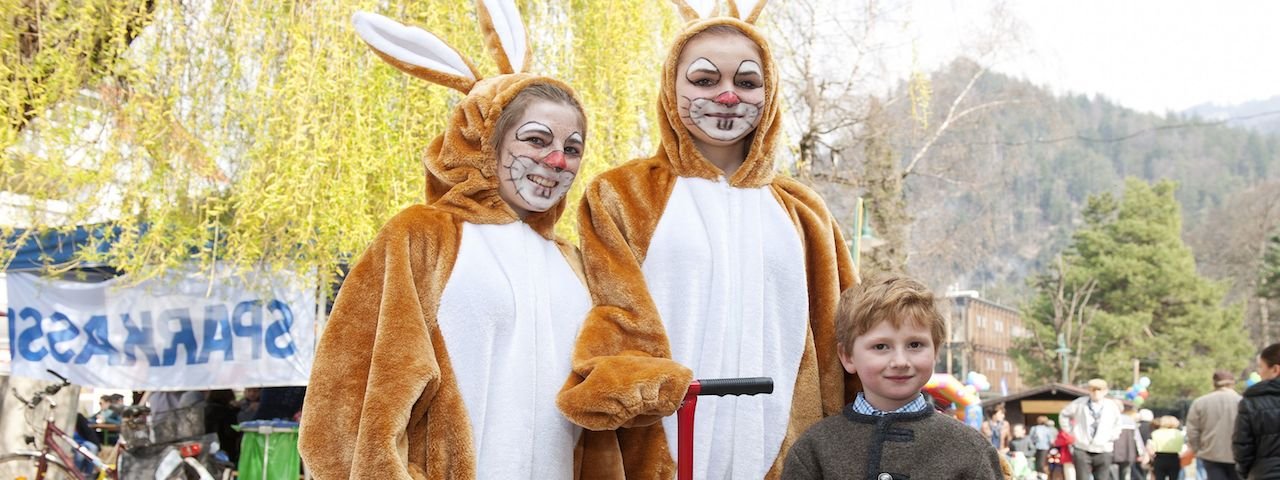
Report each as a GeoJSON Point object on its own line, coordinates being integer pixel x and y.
{"type": "Point", "coordinates": [1063, 353]}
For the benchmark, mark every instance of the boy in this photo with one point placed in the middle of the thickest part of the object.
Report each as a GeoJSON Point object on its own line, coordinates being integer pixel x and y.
{"type": "Point", "coordinates": [887, 331]}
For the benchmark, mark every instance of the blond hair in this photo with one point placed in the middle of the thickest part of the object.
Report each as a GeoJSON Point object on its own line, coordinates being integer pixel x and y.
{"type": "Point", "coordinates": [892, 298]}
{"type": "Point", "coordinates": [1167, 421]}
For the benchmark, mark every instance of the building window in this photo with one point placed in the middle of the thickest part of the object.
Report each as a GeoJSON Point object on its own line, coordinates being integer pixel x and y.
{"type": "Point", "coordinates": [1015, 331]}
{"type": "Point", "coordinates": [991, 364]}
{"type": "Point", "coordinates": [999, 326]}
{"type": "Point", "coordinates": [1008, 366]}
{"type": "Point", "coordinates": [982, 321]}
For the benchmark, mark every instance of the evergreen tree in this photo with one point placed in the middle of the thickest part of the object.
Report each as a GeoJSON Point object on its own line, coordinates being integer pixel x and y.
{"type": "Point", "coordinates": [1149, 301]}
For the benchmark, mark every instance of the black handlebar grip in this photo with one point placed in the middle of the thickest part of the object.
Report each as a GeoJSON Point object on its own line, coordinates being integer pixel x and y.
{"type": "Point", "coordinates": [736, 386]}
{"type": "Point", "coordinates": [60, 377]}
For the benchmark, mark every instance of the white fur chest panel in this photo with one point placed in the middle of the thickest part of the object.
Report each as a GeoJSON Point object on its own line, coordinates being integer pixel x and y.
{"type": "Point", "coordinates": [726, 271]}
{"type": "Point", "coordinates": [509, 315]}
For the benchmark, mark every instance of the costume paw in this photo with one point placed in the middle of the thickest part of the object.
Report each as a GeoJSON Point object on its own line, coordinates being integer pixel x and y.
{"type": "Point", "coordinates": [625, 391]}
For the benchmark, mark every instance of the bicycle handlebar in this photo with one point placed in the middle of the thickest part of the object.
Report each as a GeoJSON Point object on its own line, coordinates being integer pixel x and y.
{"type": "Point", "coordinates": [732, 386]}
{"type": "Point", "coordinates": [39, 395]}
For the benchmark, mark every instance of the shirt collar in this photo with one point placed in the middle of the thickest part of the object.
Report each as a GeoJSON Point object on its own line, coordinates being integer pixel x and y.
{"type": "Point", "coordinates": [862, 406]}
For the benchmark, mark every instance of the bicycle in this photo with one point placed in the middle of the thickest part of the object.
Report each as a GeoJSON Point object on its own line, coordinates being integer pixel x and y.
{"type": "Point", "coordinates": [51, 460]}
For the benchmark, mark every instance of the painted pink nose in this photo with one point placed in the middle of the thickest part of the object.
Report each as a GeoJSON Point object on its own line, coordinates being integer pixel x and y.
{"type": "Point", "coordinates": [555, 160]}
{"type": "Point", "coordinates": [727, 98]}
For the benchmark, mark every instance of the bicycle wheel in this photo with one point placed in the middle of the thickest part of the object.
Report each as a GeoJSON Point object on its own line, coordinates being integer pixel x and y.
{"type": "Point", "coordinates": [23, 466]}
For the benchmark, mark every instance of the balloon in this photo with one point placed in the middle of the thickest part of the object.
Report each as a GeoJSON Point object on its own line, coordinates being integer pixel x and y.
{"type": "Point", "coordinates": [1137, 402]}
{"type": "Point", "coordinates": [947, 389]}
{"type": "Point", "coordinates": [1144, 381]}
{"type": "Point", "coordinates": [1143, 395]}
{"type": "Point", "coordinates": [973, 416]}
{"type": "Point", "coordinates": [1254, 378]}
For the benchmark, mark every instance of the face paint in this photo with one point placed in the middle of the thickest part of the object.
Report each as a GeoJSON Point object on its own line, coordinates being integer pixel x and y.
{"type": "Point", "coordinates": [540, 158]}
{"type": "Point", "coordinates": [716, 107]}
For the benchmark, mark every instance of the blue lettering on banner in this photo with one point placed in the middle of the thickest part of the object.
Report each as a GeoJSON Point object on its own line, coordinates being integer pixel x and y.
{"type": "Point", "coordinates": [254, 328]}
{"type": "Point", "coordinates": [139, 338]}
{"type": "Point", "coordinates": [279, 329]}
{"type": "Point", "coordinates": [96, 331]}
{"type": "Point", "coordinates": [31, 335]}
{"type": "Point", "coordinates": [34, 335]}
{"type": "Point", "coordinates": [217, 334]}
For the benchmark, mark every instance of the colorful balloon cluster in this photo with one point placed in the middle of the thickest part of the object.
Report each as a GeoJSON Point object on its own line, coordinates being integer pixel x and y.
{"type": "Point", "coordinates": [1137, 392]}
{"type": "Point", "coordinates": [1254, 378]}
{"type": "Point", "coordinates": [948, 390]}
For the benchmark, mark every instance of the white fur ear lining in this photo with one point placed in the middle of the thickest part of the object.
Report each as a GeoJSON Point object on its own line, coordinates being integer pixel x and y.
{"type": "Point", "coordinates": [410, 45]}
{"type": "Point", "coordinates": [704, 8]}
{"type": "Point", "coordinates": [753, 13]}
{"type": "Point", "coordinates": [509, 26]}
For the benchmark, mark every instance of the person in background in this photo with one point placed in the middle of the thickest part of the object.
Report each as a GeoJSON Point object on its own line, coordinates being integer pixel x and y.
{"type": "Point", "coordinates": [1095, 423]}
{"type": "Point", "coordinates": [1165, 446]}
{"type": "Point", "coordinates": [1129, 450]}
{"type": "Point", "coordinates": [87, 437]}
{"type": "Point", "coordinates": [1064, 443]}
{"type": "Point", "coordinates": [1145, 418]}
{"type": "Point", "coordinates": [996, 430]}
{"type": "Point", "coordinates": [249, 404]}
{"type": "Point", "coordinates": [280, 403]}
{"type": "Point", "coordinates": [1042, 435]}
{"type": "Point", "coordinates": [219, 415]}
{"type": "Point", "coordinates": [1256, 445]}
{"type": "Point", "coordinates": [1210, 424]}
{"type": "Point", "coordinates": [1021, 442]}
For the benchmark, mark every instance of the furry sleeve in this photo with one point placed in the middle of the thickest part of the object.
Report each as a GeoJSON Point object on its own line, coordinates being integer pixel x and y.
{"type": "Point", "coordinates": [380, 365]}
{"type": "Point", "coordinates": [622, 371]}
{"type": "Point", "coordinates": [830, 269]}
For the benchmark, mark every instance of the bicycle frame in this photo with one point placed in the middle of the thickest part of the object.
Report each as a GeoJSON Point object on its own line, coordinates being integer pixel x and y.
{"type": "Point", "coordinates": [50, 444]}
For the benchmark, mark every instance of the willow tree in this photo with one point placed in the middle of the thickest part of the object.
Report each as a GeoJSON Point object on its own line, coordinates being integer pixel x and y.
{"type": "Point", "coordinates": [263, 134]}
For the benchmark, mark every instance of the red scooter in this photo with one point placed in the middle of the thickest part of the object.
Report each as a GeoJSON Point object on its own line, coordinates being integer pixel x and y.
{"type": "Point", "coordinates": [711, 386]}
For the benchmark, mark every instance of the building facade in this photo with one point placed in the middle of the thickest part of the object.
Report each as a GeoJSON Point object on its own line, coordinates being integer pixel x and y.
{"type": "Point", "coordinates": [982, 333]}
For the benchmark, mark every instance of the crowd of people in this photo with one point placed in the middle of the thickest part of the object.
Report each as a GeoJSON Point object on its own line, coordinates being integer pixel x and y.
{"type": "Point", "coordinates": [1226, 435]}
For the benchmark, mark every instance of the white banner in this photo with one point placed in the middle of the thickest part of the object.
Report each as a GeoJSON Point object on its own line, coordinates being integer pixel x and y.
{"type": "Point", "coordinates": [182, 332]}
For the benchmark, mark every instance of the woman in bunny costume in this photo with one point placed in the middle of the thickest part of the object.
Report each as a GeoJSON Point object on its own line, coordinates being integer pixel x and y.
{"type": "Point", "coordinates": [452, 333]}
{"type": "Point", "coordinates": [700, 258]}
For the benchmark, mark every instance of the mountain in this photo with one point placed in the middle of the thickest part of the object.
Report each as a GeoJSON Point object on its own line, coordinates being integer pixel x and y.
{"type": "Point", "coordinates": [1000, 194]}
{"type": "Point", "coordinates": [1259, 115]}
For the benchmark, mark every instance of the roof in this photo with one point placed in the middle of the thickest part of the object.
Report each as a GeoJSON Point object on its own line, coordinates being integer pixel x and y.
{"type": "Point", "coordinates": [1052, 389]}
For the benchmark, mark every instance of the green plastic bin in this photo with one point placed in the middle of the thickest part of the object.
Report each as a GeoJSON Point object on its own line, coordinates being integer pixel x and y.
{"type": "Point", "coordinates": [269, 452]}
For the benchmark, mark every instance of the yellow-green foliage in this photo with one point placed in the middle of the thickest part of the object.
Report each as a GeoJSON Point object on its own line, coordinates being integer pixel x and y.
{"type": "Point", "coordinates": [265, 134]}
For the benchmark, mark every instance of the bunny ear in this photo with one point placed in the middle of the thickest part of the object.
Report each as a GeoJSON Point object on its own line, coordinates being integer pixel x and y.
{"type": "Point", "coordinates": [415, 51]}
{"type": "Point", "coordinates": [755, 11]}
{"type": "Point", "coordinates": [690, 13]}
{"type": "Point", "coordinates": [504, 34]}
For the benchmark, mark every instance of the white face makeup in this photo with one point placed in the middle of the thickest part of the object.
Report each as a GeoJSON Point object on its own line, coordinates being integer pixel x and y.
{"type": "Point", "coordinates": [722, 90]}
{"type": "Point", "coordinates": [539, 158]}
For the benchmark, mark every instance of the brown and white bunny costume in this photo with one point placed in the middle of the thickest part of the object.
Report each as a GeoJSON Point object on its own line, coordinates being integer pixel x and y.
{"type": "Point", "coordinates": [730, 277]}
{"type": "Point", "coordinates": [453, 332]}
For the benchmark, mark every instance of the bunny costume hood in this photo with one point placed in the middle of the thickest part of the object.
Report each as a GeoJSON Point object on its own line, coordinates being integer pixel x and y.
{"type": "Point", "coordinates": [452, 333]}
{"type": "Point", "coordinates": [692, 273]}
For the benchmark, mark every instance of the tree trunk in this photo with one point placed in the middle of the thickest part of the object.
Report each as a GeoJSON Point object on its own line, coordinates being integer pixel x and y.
{"type": "Point", "coordinates": [886, 200]}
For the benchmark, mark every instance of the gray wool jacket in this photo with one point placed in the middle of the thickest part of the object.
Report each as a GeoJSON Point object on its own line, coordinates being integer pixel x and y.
{"type": "Point", "coordinates": [898, 446]}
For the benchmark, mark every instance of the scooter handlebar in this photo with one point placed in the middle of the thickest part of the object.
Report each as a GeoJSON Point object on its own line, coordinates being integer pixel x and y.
{"type": "Point", "coordinates": [734, 386]}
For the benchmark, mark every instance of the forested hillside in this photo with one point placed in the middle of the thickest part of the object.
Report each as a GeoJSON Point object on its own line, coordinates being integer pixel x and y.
{"type": "Point", "coordinates": [1001, 192]}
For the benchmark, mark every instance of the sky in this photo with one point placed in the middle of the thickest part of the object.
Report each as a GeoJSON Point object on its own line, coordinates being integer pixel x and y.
{"type": "Point", "coordinates": [1144, 54]}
